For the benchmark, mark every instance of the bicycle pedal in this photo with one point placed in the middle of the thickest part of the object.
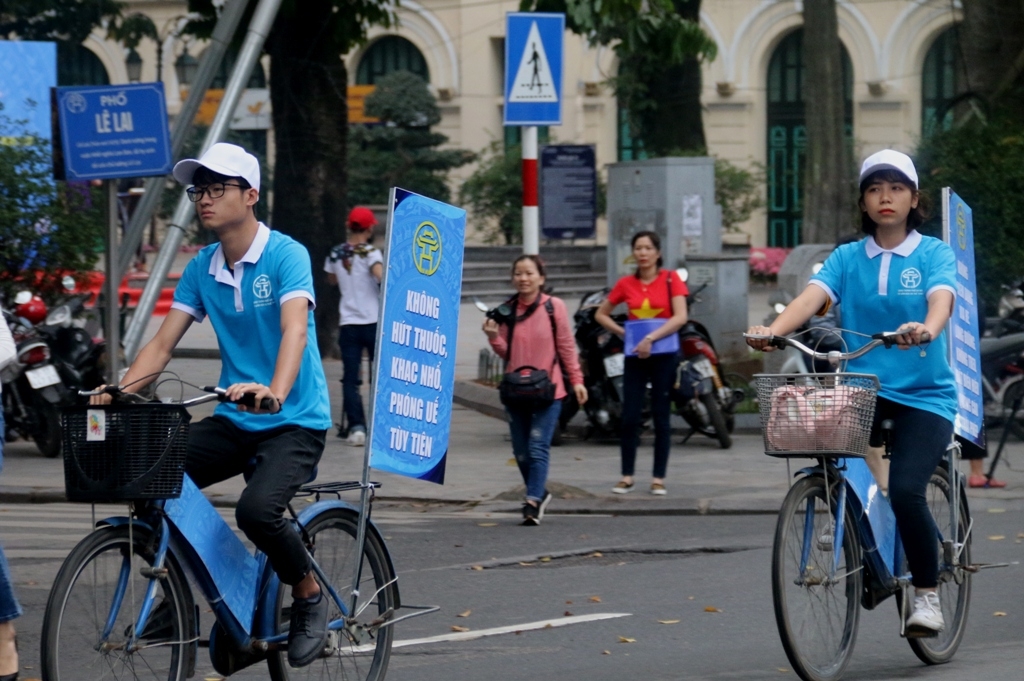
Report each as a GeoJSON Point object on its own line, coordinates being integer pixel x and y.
{"type": "Point", "coordinates": [919, 632]}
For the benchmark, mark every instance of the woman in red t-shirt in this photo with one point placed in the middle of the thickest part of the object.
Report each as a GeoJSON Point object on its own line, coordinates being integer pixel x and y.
{"type": "Point", "coordinates": [650, 293]}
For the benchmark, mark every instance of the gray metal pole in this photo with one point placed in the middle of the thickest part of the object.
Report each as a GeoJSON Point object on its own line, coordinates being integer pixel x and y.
{"type": "Point", "coordinates": [110, 286]}
{"type": "Point", "coordinates": [223, 32]}
{"type": "Point", "coordinates": [259, 27]}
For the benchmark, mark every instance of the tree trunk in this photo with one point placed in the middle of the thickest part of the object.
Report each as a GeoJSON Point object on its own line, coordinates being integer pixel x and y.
{"type": "Point", "coordinates": [992, 41]}
{"type": "Point", "coordinates": [828, 190]}
{"type": "Point", "coordinates": [308, 94]}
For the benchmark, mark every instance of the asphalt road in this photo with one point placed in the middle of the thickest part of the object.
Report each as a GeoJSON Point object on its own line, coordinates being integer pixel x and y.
{"type": "Point", "coordinates": [660, 575]}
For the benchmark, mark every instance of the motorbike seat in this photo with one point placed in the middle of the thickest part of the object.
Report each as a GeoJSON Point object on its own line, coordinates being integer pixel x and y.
{"type": "Point", "coordinates": [997, 346]}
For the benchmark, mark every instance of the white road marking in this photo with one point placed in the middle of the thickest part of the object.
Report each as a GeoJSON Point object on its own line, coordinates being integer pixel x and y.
{"type": "Point", "coordinates": [510, 629]}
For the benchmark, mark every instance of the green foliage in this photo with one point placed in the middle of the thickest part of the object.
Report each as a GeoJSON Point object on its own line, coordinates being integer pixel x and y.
{"type": "Point", "coordinates": [984, 164]}
{"type": "Point", "coordinates": [68, 20]}
{"type": "Point", "coordinates": [402, 151]}
{"type": "Point", "coordinates": [648, 37]}
{"type": "Point", "coordinates": [132, 29]}
{"type": "Point", "coordinates": [738, 191]}
{"type": "Point", "coordinates": [493, 194]}
{"type": "Point", "coordinates": [45, 227]}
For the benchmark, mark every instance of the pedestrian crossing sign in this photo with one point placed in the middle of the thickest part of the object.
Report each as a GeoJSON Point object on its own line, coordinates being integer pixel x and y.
{"type": "Point", "coordinates": [533, 68]}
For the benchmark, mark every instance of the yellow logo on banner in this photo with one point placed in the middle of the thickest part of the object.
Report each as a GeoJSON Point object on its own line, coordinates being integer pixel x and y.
{"type": "Point", "coordinates": [961, 227]}
{"type": "Point", "coordinates": [426, 248]}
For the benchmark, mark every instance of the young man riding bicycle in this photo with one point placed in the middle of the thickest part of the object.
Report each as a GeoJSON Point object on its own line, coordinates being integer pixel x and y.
{"type": "Point", "coordinates": [896, 277]}
{"type": "Point", "coordinates": [256, 285]}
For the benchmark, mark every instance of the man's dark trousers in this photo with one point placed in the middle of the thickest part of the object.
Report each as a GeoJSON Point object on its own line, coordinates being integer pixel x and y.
{"type": "Point", "coordinates": [353, 339]}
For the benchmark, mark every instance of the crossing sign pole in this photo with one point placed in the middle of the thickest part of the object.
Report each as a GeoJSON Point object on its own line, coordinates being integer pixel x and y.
{"type": "Point", "coordinates": [534, 48]}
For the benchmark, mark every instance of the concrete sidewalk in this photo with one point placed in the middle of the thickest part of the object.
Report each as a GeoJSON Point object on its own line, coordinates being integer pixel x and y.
{"type": "Point", "coordinates": [481, 473]}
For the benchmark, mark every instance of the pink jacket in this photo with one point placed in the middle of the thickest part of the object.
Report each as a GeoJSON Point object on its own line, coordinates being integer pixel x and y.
{"type": "Point", "coordinates": [533, 345]}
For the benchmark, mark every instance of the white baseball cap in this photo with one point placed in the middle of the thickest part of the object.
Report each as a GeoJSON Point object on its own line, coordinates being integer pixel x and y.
{"type": "Point", "coordinates": [889, 159]}
{"type": "Point", "coordinates": [227, 159]}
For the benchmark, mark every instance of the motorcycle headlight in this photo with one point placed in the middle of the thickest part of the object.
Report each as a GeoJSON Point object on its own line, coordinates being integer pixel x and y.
{"type": "Point", "coordinates": [60, 316]}
{"type": "Point", "coordinates": [1005, 307]}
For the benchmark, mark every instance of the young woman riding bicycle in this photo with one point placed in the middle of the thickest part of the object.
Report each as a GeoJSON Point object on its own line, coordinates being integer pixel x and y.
{"type": "Point", "coordinates": [895, 277]}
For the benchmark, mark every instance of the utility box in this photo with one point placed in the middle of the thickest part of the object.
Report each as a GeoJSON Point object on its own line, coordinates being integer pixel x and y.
{"type": "Point", "coordinates": [675, 197]}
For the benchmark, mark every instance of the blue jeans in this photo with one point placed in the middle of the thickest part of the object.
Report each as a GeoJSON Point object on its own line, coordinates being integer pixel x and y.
{"type": "Point", "coordinates": [353, 339]}
{"type": "Point", "coordinates": [531, 445]}
{"type": "Point", "coordinates": [9, 606]}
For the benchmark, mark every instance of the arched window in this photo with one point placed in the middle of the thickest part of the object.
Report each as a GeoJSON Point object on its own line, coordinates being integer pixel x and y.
{"type": "Point", "coordinates": [390, 53]}
{"type": "Point", "coordinates": [77, 65]}
{"type": "Point", "coordinates": [629, 148]}
{"type": "Point", "coordinates": [940, 80]}
{"type": "Point", "coordinates": [787, 137]}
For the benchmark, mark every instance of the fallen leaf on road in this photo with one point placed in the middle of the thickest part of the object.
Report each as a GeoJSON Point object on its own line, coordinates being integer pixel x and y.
{"type": "Point", "coordinates": [511, 462]}
{"type": "Point", "coordinates": [999, 613]}
{"type": "Point", "coordinates": [594, 599]}
{"type": "Point", "coordinates": [568, 602]}
{"type": "Point", "coordinates": [567, 614]}
{"type": "Point", "coordinates": [711, 608]}
{"type": "Point", "coordinates": [545, 559]}
{"type": "Point", "coordinates": [606, 652]}
{"type": "Point", "coordinates": [997, 537]}
{"type": "Point", "coordinates": [464, 614]}
{"type": "Point", "coordinates": [477, 567]}
{"type": "Point", "coordinates": [689, 598]}
{"type": "Point", "coordinates": [456, 627]}
{"type": "Point", "coordinates": [524, 564]}
{"type": "Point", "coordinates": [549, 626]}
{"type": "Point", "coordinates": [782, 670]}
{"type": "Point", "coordinates": [596, 554]}
{"type": "Point", "coordinates": [1020, 535]}
{"type": "Point", "coordinates": [997, 510]}
{"type": "Point", "coordinates": [668, 621]}
{"type": "Point", "coordinates": [623, 639]}
{"type": "Point", "coordinates": [487, 524]}
{"type": "Point", "coordinates": [578, 458]}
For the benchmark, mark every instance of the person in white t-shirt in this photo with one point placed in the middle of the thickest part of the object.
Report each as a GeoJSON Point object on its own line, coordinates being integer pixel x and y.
{"type": "Point", "coordinates": [356, 267]}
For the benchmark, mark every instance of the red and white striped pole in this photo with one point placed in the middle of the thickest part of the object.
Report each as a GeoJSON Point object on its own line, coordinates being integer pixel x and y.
{"type": "Point", "coordinates": [531, 213]}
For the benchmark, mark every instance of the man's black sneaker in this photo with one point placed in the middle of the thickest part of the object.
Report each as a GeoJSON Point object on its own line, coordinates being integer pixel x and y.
{"type": "Point", "coordinates": [307, 633]}
{"type": "Point", "coordinates": [543, 505]}
{"type": "Point", "coordinates": [530, 515]}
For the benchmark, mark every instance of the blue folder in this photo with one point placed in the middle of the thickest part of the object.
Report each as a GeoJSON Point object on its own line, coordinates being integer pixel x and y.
{"type": "Point", "coordinates": [636, 329]}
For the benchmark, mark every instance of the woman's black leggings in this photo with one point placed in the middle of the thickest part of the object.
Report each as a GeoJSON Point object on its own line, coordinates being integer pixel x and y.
{"type": "Point", "coordinates": [919, 441]}
{"type": "Point", "coordinates": [659, 371]}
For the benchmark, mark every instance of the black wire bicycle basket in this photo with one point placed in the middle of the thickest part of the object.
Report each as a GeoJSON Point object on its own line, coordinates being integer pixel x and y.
{"type": "Point", "coordinates": [816, 415]}
{"type": "Point", "coordinates": [124, 452]}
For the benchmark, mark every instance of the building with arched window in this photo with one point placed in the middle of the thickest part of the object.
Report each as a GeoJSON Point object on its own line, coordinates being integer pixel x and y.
{"type": "Point", "coordinates": [901, 76]}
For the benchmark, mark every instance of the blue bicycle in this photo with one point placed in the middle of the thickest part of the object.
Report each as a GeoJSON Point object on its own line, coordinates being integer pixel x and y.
{"type": "Point", "coordinates": [837, 546]}
{"type": "Point", "coordinates": [121, 606]}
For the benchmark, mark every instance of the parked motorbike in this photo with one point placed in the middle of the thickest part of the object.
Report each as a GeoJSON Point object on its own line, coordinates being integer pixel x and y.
{"type": "Point", "coordinates": [701, 395]}
{"type": "Point", "coordinates": [1010, 313]}
{"type": "Point", "coordinates": [33, 391]}
{"type": "Point", "coordinates": [1002, 377]}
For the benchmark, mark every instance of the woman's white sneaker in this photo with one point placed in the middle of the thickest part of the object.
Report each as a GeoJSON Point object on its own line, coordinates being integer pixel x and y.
{"type": "Point", "coordinates": [927, 615]}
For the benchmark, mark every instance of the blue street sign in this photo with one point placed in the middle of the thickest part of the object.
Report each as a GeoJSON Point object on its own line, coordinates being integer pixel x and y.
{"type": "Point", "coordinates": [414, 375]}
{"type": "Point", "coordinates": [114, 131]}
{"type": "Point", "coordinates": [533, 68]}
{"type": "Point", "coordinates": [965, 344]}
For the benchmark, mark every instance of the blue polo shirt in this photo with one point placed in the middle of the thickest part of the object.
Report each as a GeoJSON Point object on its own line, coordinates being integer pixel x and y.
{"type": "Point", "coordinates": [244, 306]}
{"type": "Point", "coordinates": [883, 289]}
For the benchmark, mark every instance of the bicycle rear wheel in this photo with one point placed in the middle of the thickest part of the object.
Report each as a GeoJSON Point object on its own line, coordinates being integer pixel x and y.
{"type": "Point", "coordinates": [954, 581]}
{"type": "Point", "coordinates": [333, 533]}
{"type": "Point", "coordinates": [817, 615]}
{"type": "Point", "coordinates": [73, 646]}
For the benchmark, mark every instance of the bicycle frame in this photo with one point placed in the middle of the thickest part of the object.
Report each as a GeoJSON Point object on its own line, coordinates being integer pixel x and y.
{"type": "Point", "coordinates": [241, 588]}
{"type": "Point", "coordinates": [882, 548]}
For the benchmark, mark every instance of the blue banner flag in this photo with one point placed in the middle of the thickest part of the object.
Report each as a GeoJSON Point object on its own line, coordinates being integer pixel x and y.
{"type": "Point", "coordinates": [964, 329]}
{"type": "Point", "coordinates": [113, 131]}
{"type": "Point", "coordinates": [416, 337]}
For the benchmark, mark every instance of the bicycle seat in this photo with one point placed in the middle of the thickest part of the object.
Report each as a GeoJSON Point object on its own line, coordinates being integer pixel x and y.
{"type": "Point", "coordinates": [250, 468]}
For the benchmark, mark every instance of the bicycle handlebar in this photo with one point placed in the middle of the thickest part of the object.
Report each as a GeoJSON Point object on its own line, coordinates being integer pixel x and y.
{"type": "Point", "coordinates": [214, 393]}
{"type": "Point", "coordinates": [886, 338]}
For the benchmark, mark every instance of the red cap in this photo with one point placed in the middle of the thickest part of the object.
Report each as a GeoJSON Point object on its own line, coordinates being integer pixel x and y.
{"type": "Point", "coordinates": [361, 218]}
{"type": "Point", "coordinates": [34, 310]}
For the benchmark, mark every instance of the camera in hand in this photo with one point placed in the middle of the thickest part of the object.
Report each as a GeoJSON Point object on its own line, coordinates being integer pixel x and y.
{"type": "Point", "coordinates": [501, 314]}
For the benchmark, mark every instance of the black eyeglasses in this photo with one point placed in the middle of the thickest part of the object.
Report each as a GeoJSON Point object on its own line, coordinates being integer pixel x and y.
{"type": "Point", "coordinates": [214, 191]}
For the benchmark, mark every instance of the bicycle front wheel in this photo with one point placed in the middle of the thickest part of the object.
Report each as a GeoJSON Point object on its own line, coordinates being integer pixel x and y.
{"type": "Point", "coordinates": [954, 581]}
{"type": "Point", "coordinates": [816, 608]}
{"type": "Point", "coordinates": [98, 573]}
{"type": "Point", "coordinates": [360, 650]}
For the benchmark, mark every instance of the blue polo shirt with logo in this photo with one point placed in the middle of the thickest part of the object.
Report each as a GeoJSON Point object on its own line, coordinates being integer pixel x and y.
{"type": "Point", "coordinates": [244, 306]}
{"type": "Point", "coordinates": [883, 289]}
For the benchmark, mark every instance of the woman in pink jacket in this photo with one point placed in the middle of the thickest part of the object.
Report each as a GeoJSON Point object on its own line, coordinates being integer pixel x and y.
{"type": "Point", "coordinates": [543, 339]}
